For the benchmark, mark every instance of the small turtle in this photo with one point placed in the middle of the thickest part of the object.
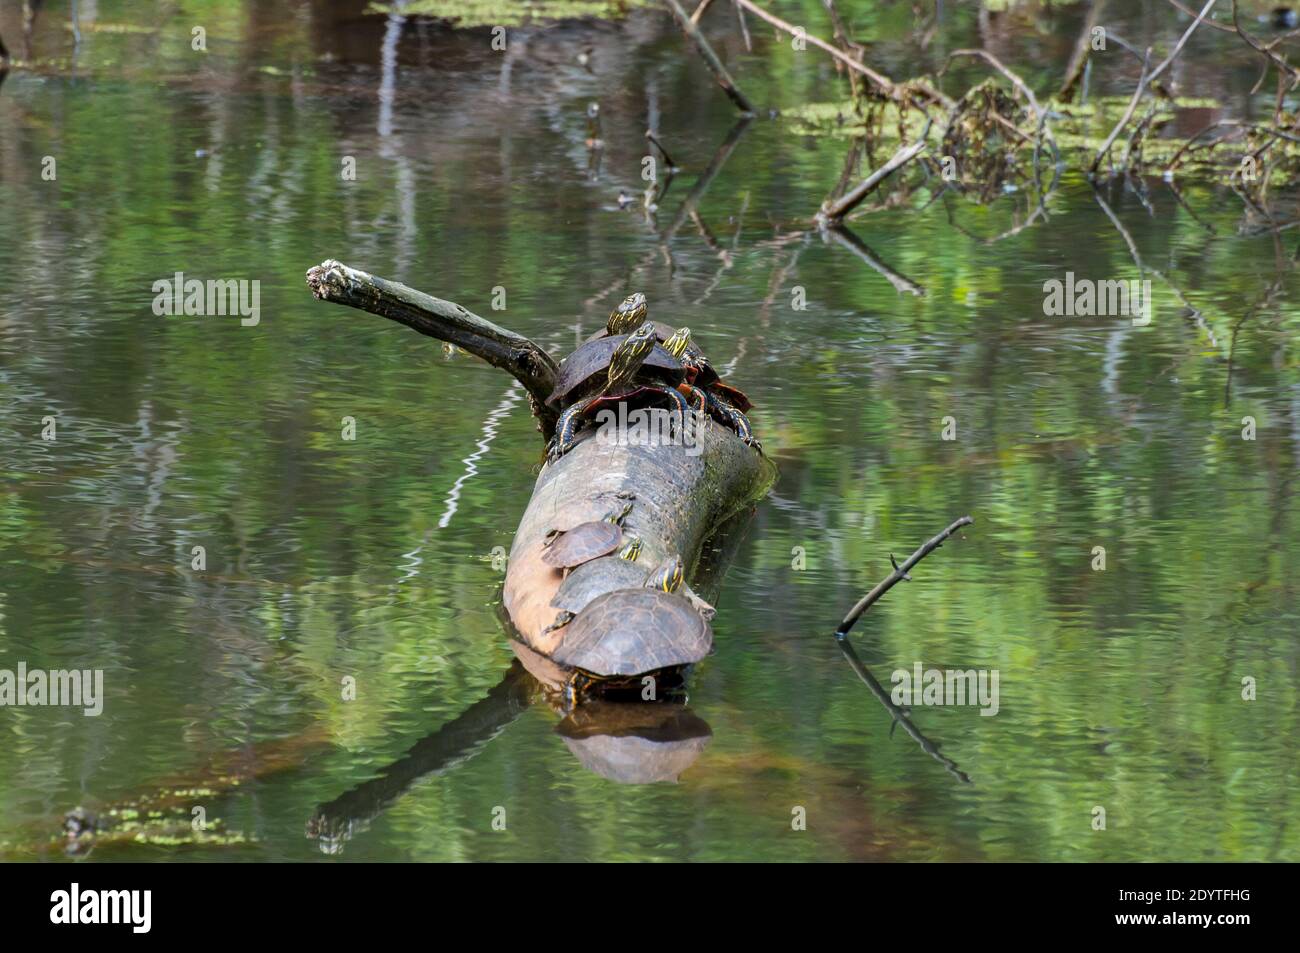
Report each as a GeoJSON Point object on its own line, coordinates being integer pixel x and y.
{"type": "Point", "coordinates": [631, 551]}
{"type": "Point", "coordinates": [696, 364]}
{"type": "Point", "coordinates": [628, 316]}
{"type": "Point", "coordinates": [669, 575]}
{"type": "Point", "coordinates": [565, 549]}
{"type": "Point", "coordinates": [622, 359]}
{"type": "Point", "coordinates": [585, 371]}
{"type": "Point", "coordinates": [701, 386]}
{"type": "Point", "coordinates": [599, 576]}
{"type": "Point", "coordinates": [571, 600]}
{"type": "Point", "coordinates": [631, 632]}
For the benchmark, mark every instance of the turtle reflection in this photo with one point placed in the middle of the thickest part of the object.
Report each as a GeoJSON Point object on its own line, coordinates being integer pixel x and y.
{"type": "Point", "coordinates": [634, 743]}
{"type": "Point", "coordinates": [615, 733]}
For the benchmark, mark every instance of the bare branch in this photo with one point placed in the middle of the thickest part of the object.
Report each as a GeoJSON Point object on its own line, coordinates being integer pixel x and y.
{"type": "Point", "coordinates": [834, 211]}
{"type": "Point", "coordinates": [898, 575]}
{"type": "Point", "coordinates": [445, 320]}
{"type": "Point", "coordinates": [885, 84]}
{"type": "Point", "coordinates": [710, 58]}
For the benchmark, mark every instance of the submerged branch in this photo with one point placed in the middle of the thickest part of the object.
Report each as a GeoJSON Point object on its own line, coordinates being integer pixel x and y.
{"type": "Point", "coordinates": [710, 58]}
{"type": "Point", "coordinates": [445, 320]}
{"type": "Point", "coordinates": [1145, 82]}
{"type": "Point", "coordinates": [896, 91]}
{"type": "Point", "coordinates": [834, 211]}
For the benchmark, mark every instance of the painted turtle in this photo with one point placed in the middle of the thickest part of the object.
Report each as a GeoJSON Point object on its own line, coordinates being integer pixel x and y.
{"type": "Point", "coordinates": [676, 344]}
{"type": "Point", "coordinates": [703, 388]}
{"type": "Point", "coordinates": [700, 385]}
{"type": "Point", "coordinates": [610, 370]}
{"type": "Point", "coordinates": [586, 370]}
{"type": "Point", "coordinates": [598, 576]}
{"type": "Point", "coordinates": [694, 363]}
{"type": "Point", "coordinates": [628, 316]}
{"type": "Point", "coordinates": [565, 549]}
{"type": "Point", "coordinates": [631, 632]}
{"type": "Point", "coordinates": [668, 577]}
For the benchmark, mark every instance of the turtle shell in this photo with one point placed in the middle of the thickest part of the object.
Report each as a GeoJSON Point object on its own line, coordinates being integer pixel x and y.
{"type": "Point", "coordinates": [593, 579]}
{"type": "Point", "coordinates": [591, 361]}
{"type": "Point", "coordinates": [732, 395]}
{"type": "Point", "coordinates": [695, 359]}
{"type": "Point", "coordinates": [599, 576]}
{"type": "Point", "coordinates": [638, 395]}
{"type": "Point", "coordinates": [630, 631]}
{"type": "Point", "coordinates": [584, 542]}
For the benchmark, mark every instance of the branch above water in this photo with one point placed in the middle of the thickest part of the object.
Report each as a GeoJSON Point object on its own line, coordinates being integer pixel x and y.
{"type": "Point", "coordinates": [898, 575]}
{"type": "Point", "coordinates": [445, 320]}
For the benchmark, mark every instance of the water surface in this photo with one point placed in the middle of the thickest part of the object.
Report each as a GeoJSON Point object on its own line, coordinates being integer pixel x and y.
{"type": "Point", "coordinates": [372, 559]}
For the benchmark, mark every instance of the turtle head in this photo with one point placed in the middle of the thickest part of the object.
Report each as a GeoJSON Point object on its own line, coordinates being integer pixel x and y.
{"type": "Point", "coordinates": [617, 515]}
{"type": "Point", "coordinates": [668, 576]}
{"type": "Point", "coordinates": [677, 344]}
{"type": "Point", "coordinates": [630, 355]}
{"type": "Point", "coordinates": [628, 316]}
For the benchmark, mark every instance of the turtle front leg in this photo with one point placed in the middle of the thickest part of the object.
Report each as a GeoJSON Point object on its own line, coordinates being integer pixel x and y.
{"type": "Point", "coordinates": [743, 430]}
{"type": "Point", "coordinates": [683, 408]}
{"type": "Point", "coordinates": [697, 398]}
{"type": "Point", "coordinates": [566, 431]}
{"type": "Point", "coordinates": [736, 420]}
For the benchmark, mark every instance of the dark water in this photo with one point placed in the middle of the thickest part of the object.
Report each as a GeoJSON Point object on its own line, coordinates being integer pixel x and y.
{"type": "Point", "coordinates": [371, 559]}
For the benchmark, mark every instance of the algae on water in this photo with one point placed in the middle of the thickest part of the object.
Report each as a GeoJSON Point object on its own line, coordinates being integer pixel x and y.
{"type": "Point", "coordinates": [481, 13]}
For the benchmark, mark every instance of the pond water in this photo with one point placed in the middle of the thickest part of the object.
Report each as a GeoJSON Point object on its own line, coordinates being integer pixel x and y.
{"type": "Point", "coordinates": [371, 559]}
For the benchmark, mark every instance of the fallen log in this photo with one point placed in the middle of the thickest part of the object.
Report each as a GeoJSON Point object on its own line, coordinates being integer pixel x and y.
{"type": "Point", "coordinates": [680, 494]}
{"type": "Point", "coordinates": [678, 499]}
